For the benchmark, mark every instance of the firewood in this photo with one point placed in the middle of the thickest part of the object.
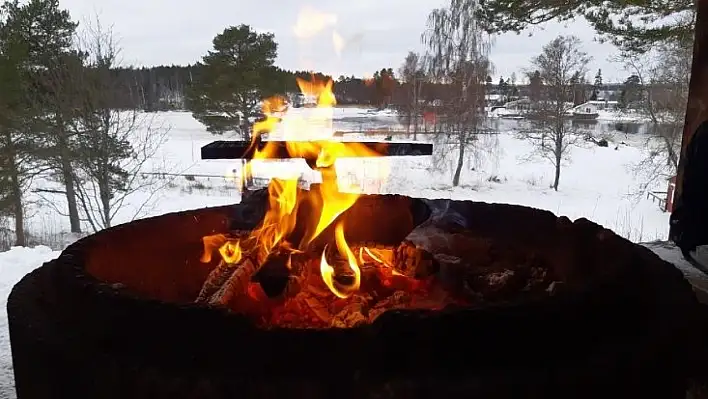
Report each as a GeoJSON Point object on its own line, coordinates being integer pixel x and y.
{"type": "Point", "coordinates": [407, 259]}
{"type": "Point", "coordinates": [214, 281]}
{"type": "Point", "coordinates": [273, 275]}
{"type": "Point", "coordinates": [236, 284]}
{"type": "Point", "coordinates": [293, 287]}
{"type": "Point", "coordinates": [413, 261]}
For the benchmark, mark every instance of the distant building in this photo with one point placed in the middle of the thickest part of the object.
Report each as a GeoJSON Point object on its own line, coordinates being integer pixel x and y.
{"type": "Point", "coordinates": [493, 99]}
{"type": "Point", "coordinates": [523, 104]}
{"type": "Point", "coordinates": [595, 106]}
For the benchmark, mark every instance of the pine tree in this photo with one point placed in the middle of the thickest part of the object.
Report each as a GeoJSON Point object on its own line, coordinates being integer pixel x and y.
{"type": "Point", "coordinates": [513, 90]}
{"type": "Point", "coordinates": [535, 84]}
{"type": "Point", "coordinates": [384, 83]}
{"type": "Point", "coordinates": [48, 31]}
{"type": "Point", "coordinates": [234, 77]}
{"type": "Point", "coordinates": [19, 134]}
{"type": "Point", "coordinates": [597, 85]}
{"type": "Point", "coordinates": [614, 21]}
{"type": "Point", "coordinates": [503, 87]}
{"type": "Point", "coordinates": [631, 91]}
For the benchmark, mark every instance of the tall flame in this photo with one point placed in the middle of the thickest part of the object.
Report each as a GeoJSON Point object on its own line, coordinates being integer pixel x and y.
{"type": "Point", "coordinates": [307, 137]}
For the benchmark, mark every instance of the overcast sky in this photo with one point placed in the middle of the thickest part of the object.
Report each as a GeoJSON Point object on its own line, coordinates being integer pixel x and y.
{"type": "Point", "coordinates": [333, 36]}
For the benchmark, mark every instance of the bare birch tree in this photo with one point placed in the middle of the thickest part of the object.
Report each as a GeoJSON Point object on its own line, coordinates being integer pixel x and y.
{"type": "Point", "coordinates": [412, 74]}
{"type": "Point", "coordinates": [552, 137]}
{"type": "Point", "coordinates": [664, 75]}
{"type": "Point", "coordinates": [119, 144]}
{"type": "Point", "coordinates": [457, 53]}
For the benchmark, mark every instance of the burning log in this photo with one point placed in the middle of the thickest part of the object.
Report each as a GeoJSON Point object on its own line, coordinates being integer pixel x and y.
{"type": "Point", "coordinates": [235, 284]}
{"type": "Point", "coordinates": [274, 275]}
{"type": "Point", "coordinates": [413, 261]}
{"type": "Point", "coordinates": [406, 259]}
{"type": "Point", "coordinates": [283, 275]}
{"type": "Point", "coordinates": [215, 280]}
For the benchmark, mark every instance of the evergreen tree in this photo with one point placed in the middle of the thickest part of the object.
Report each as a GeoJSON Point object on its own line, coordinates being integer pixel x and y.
{"type": "Point", "coordinates": [535, 84]}
{"type": "Point", "coordinates": [631, 91]}
{"type": "Point", "coordinates": [578, 83]}
{"type": "Point", "coordinates": [597, 85]}
{"type": "Point", "coordinates": [614, 21]}
{"type": "Point", "coordinates": [19, 135]}
{"type": "Point", "coordinates": [234, 77]}
{"type": "Point", "coordinates": [48, 32]}
{"type": "Point", "coordinates": [384, 84]}
{"type": "Point", "coordinates": [513, 90]}
{"type": "Point", "coordinates": [503, 87]}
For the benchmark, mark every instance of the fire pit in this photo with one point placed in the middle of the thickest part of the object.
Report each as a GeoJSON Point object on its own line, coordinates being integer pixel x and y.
{"type": "Point", "coordinates": [566, 308]}
{"type": "Point", "coordinates": [323, 292]}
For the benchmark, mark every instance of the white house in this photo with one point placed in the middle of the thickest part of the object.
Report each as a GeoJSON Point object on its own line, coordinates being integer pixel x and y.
{"type": "Point", "coordinates": [493, 99]}
{"type": "Point", "coordinates": [595, 106]}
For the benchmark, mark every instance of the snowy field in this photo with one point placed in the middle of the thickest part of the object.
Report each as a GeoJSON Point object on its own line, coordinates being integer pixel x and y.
{"type": "Point", "coordinates": [597, 183]}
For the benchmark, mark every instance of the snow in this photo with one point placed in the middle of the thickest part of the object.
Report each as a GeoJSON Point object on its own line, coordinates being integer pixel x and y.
{"type": "Point", "coordinates": [621, 116]}
{"type": "Point", "coordinates": [596, 182]}
{"type": "Point", "coordinates": [14, 264]}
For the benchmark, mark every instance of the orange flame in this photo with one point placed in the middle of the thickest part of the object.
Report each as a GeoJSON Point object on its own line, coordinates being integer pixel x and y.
{"type": "Point", "coordinates": [212, 243]}
{"type": "Point", "coordinates": [327, 271]}
{"type": "Point", "coordinates": [310, 138]}
{"type": "Point", "coordinates": [231, 252]}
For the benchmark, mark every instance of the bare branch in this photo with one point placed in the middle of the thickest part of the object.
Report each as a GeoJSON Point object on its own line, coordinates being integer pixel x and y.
{"type": "Point", "coordinates": [560, 64]}
{"type": "Point", "coordinates": [457, 55]}
{"type": "Point", "coordinates": [664, 74]}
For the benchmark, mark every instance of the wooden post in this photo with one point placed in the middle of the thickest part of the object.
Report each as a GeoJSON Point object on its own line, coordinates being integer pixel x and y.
{"type": "Point", "coordinates": [670, 192]}
{"type": "Point", "coordinates": [697, 108]}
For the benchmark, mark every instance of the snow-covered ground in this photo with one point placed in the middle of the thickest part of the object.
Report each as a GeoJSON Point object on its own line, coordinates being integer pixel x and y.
{"type": "Point", "coordinates": [14, 264]}
{"type": "Point", "coordinates": [597, 183]}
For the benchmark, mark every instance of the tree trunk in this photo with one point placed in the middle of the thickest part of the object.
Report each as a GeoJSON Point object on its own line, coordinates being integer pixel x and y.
{"type": "Point", "coordinates": [558, 156]}
{"type": "Point", "coordinates": [74, 220]}
{"type": "Point", "coordinates": [246, 126]}
{"type": "Point", "coordinates": [460, 161]}
{"type": "Point", "coordinates": [557, 178]}
{"type": "Point", "coordinates": [68, 177]}
{"type": "Point", "coordinates": [415, 110]}
{"type": "Point", "coordinates": [105, 194]}
{"type": "Point", "coordinates": [415, 123]}
{"type": "Point", "coordinates": [16, 195]}
{"type": "Point", "coordinates": [19, 213]}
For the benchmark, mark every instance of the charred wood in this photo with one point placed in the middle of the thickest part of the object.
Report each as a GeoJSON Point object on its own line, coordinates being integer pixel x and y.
{"type": "Point", "coordinates": [236, 283]}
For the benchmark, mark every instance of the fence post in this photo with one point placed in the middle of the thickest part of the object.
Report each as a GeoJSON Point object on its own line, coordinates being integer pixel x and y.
{"type": "Point", "coordinates": [669, 203]}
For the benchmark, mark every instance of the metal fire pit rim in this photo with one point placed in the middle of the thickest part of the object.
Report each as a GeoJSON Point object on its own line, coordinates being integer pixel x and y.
{"type": "Point", "coordinates": [136, 328]}
{"type": "Point", "coordinates": [73, 257]}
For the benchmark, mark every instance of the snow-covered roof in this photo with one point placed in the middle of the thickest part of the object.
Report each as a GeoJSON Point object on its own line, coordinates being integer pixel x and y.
{"type": "Point", "coordinates": [601, 102]}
